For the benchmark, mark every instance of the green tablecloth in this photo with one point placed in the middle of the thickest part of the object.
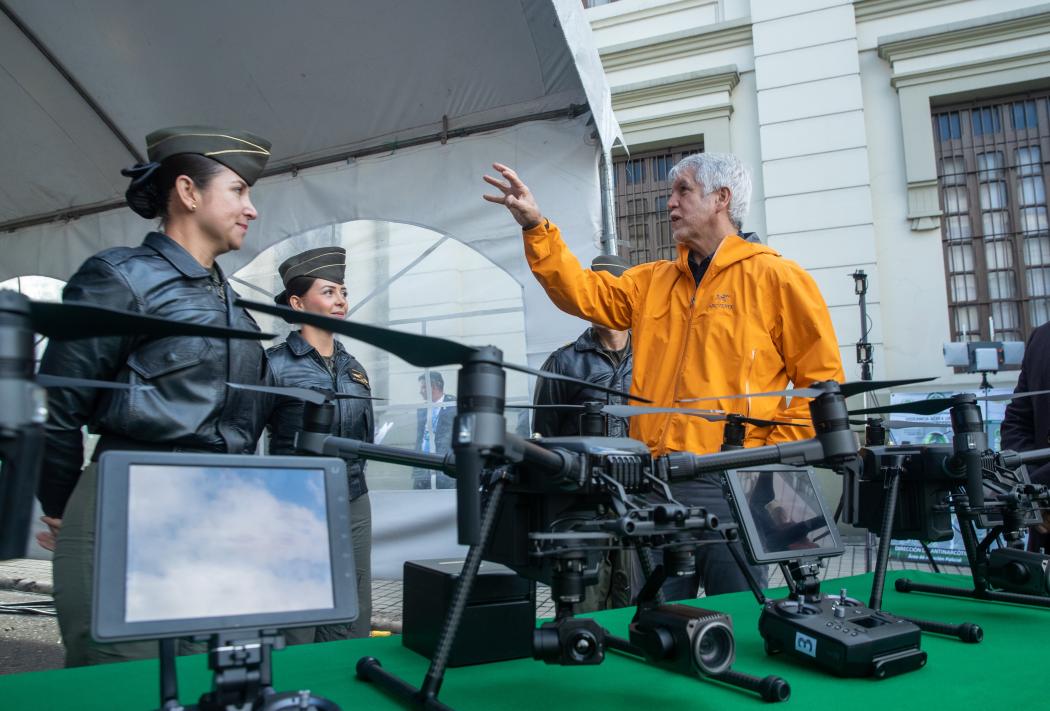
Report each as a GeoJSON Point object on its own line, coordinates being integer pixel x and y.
{"type": "Point", "coordinates": [998, 673]}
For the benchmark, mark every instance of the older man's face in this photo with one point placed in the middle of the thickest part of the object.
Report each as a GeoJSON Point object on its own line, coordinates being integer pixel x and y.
{"type": "Point", "coordinates": [693, 214]}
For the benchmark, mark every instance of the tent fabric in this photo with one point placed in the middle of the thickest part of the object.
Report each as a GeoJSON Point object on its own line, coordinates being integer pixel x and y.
{"type": "Point", "coordinates": [322, 80]}
{"type": "Point", "coordinates": [317, 79]}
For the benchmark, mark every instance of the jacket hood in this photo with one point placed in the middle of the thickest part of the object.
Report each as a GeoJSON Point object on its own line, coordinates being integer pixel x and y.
{"type": "Point", "coordinates": [733, 249]}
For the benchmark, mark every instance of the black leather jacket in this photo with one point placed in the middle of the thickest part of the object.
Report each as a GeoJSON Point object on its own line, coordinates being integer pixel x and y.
{"type": "Point", "coordinates": [295, 363]}
{"type": "Point", "coordinates": [586, 360]}
{"type": "Point", "coordinates": [189, 407]}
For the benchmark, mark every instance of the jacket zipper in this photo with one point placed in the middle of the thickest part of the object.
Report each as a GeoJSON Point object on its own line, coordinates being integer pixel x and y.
{"type": "Point", "coordinates": [681, 359]}
{"type": "Point", "coordinates": [747, 381]}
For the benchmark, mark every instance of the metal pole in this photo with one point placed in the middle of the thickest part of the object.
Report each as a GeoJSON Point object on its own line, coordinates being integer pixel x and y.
{"type": "Point", "coordinates": [864, 360]}
{"type": "Point", "coordinates": [605, 173]}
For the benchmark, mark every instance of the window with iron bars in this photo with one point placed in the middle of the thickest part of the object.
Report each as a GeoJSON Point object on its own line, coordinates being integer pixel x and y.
{"type": "Point", "coordinates": [991, 171]}
{"type": "Point", "coordinates": [642, 190]}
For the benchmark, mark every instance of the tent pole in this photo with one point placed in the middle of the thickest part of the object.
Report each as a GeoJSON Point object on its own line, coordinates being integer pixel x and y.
{"type": "Point", "coordinates": [608, 191]}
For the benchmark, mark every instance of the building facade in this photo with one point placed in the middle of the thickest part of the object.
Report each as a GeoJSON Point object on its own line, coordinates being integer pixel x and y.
{"type": "Point", "coordinates": [904, 138]}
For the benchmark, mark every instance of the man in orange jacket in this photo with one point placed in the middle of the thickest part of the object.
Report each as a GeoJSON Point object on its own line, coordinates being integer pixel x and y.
{"type": "Point", "coordinates": [726, 317]}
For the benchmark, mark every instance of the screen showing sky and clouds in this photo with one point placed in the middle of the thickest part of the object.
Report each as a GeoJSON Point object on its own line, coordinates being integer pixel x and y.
{"type": "Point", "coordinates": [786, 511]}
{"type": "Point", "coordinates": [205, 542]}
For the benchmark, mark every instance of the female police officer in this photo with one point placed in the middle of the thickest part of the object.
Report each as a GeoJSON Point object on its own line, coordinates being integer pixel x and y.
{"type": "Point", "coordinates": [197, 182]}
{"type": "Point", "coordinates": [313, 358]}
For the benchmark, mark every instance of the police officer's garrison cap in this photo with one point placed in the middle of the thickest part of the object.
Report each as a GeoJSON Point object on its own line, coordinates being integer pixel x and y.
{"type": "Point", "coordinates": [610, 263]}
{"type": "Point", "coordinates": [242, 152]}
{"type": "Point", "coordinates": [327, 263]}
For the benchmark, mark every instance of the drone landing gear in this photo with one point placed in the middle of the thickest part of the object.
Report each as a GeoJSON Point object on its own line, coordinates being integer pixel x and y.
{"type": "Point", "coordinates": [978, 553]}
{"type": "Point", "coordinates": [965, 631]}
{"type": "Point", "coordinates": [426, 696]}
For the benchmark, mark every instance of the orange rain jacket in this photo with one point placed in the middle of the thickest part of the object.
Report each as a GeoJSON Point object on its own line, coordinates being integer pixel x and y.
{"type": "Point", "coordinates": [755, 323]}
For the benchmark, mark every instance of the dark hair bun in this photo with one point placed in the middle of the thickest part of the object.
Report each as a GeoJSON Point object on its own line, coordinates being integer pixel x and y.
{"type": "Point", "coordinates": [143, 195]}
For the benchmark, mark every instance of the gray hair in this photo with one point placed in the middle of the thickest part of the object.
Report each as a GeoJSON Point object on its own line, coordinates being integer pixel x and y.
{"type": "Point", "coordinates": [720, 170]}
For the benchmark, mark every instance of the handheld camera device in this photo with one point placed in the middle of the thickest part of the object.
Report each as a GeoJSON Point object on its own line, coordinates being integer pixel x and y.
{"type": "Point", "coordinates": [784, 520]}
{"type": "Point", "coordinates": [227, 547]}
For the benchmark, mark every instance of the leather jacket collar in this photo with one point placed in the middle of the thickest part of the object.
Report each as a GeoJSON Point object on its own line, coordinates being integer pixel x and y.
{"type": "Point", "coordinates": [588, 341]}
{"type": "Point", "coordinates": [300, 346]}
{"type": "Point", "coordinates": [178, 256]}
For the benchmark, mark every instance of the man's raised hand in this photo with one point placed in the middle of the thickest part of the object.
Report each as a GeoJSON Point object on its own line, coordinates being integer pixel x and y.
{"type": "Point", "coordinates": [515, 197]}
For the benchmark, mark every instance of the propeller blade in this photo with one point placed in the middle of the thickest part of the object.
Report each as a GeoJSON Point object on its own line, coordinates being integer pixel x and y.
{"type": "Point", "coordinates": [904, 424]}
{"type": "Point", "coordinates": [857, 387]}
{"type": "Point", "coordinates": [632, 410]}
{"type": "Point", "coordinates": [421, 351]}
{"type": "Point", "coordinates": [351, 396]}
{"type": "Point", "coordinates": [60, 381]}
{"type": "Point", "coordinates": [66, 321]}
{"type": "Point", "coordinates": [311, 396]}
{"type": "Point", "coordinates": [565, 406]}
{"type": "Point", "coordinates": [795, 392]}
{"type": "Point", "coordinates": [1012, 396]}
{"type": "Point", "coordinates": [919, 407]}
{"type": "Point", "coordinates": [759, 422]}
{"type": "Point", "coordinates": [847, 389]}
{"type": "Point", "coordinates": [570, 379]}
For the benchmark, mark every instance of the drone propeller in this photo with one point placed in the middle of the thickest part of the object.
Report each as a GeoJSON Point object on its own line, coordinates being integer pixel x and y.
{"type": "Point", "coordinates": [316, 396]}
{"type": "Point", "coordinates": [634, 410]}
{"type": "Point", "coordinates": [420, 351]}
{"type": "Point", "coordinates": [70, 320]}
{"type": "Point", "coordinates": [849, 389]}
{"type": "Point", "coordinates": [939, 404]}
{"type": "Point", "coordinates": [60, 381]}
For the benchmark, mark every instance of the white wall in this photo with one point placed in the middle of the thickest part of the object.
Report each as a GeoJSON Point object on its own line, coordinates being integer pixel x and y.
{"type": "Point", "coordinates": [811, 108]}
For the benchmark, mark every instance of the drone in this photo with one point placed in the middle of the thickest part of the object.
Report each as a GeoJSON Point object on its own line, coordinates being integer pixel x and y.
{"type": "Point", "coordinates": [911, 492]}
{"type": "Point", "coordinates": [552, 505]}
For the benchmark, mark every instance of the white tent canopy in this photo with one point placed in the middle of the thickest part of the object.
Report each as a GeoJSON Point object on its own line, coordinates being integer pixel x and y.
{"type": "Point", "coordinates": [377, 110]}
{"type": "Point", "coordinates": [327, 82]}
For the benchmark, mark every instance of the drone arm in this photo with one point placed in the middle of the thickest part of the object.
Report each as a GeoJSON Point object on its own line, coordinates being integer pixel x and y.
{"type": "Point", "coordinates": [329, 445]}
{"type": "Point", "coordinates": [556, 463]}
{"type": "Point", "coordinates": [681, 466]}
{"type": "Point", "coordinates": [1012, 460]}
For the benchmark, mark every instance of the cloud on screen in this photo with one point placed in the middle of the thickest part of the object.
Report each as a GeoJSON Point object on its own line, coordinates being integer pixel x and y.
{"type": "Point", "coordinates": [204, 543]}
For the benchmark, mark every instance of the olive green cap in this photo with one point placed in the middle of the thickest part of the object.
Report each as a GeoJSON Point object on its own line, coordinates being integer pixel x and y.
{"type": "Point", "coordinates": [327, 263]}
{"type": "Point", "coordinates": [242, 152]}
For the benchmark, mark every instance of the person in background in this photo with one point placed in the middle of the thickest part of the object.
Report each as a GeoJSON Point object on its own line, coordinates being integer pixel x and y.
{"type": "Point", "coordinates": [434, 429]}
{"type": "Point", "coordinates": [600, 355]}
{"type": "Point", "coordinates": [314, 281]}
{"type": "Point", "coordinates": [1026, 423]}
{"type": "Point", "coordinates": [727, 316]}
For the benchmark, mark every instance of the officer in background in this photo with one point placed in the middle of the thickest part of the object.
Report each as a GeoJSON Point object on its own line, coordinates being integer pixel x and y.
{"type": "Point", "coordinates": [314, 282]}
{"type": "Point", "coordinates": [600, 355]}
